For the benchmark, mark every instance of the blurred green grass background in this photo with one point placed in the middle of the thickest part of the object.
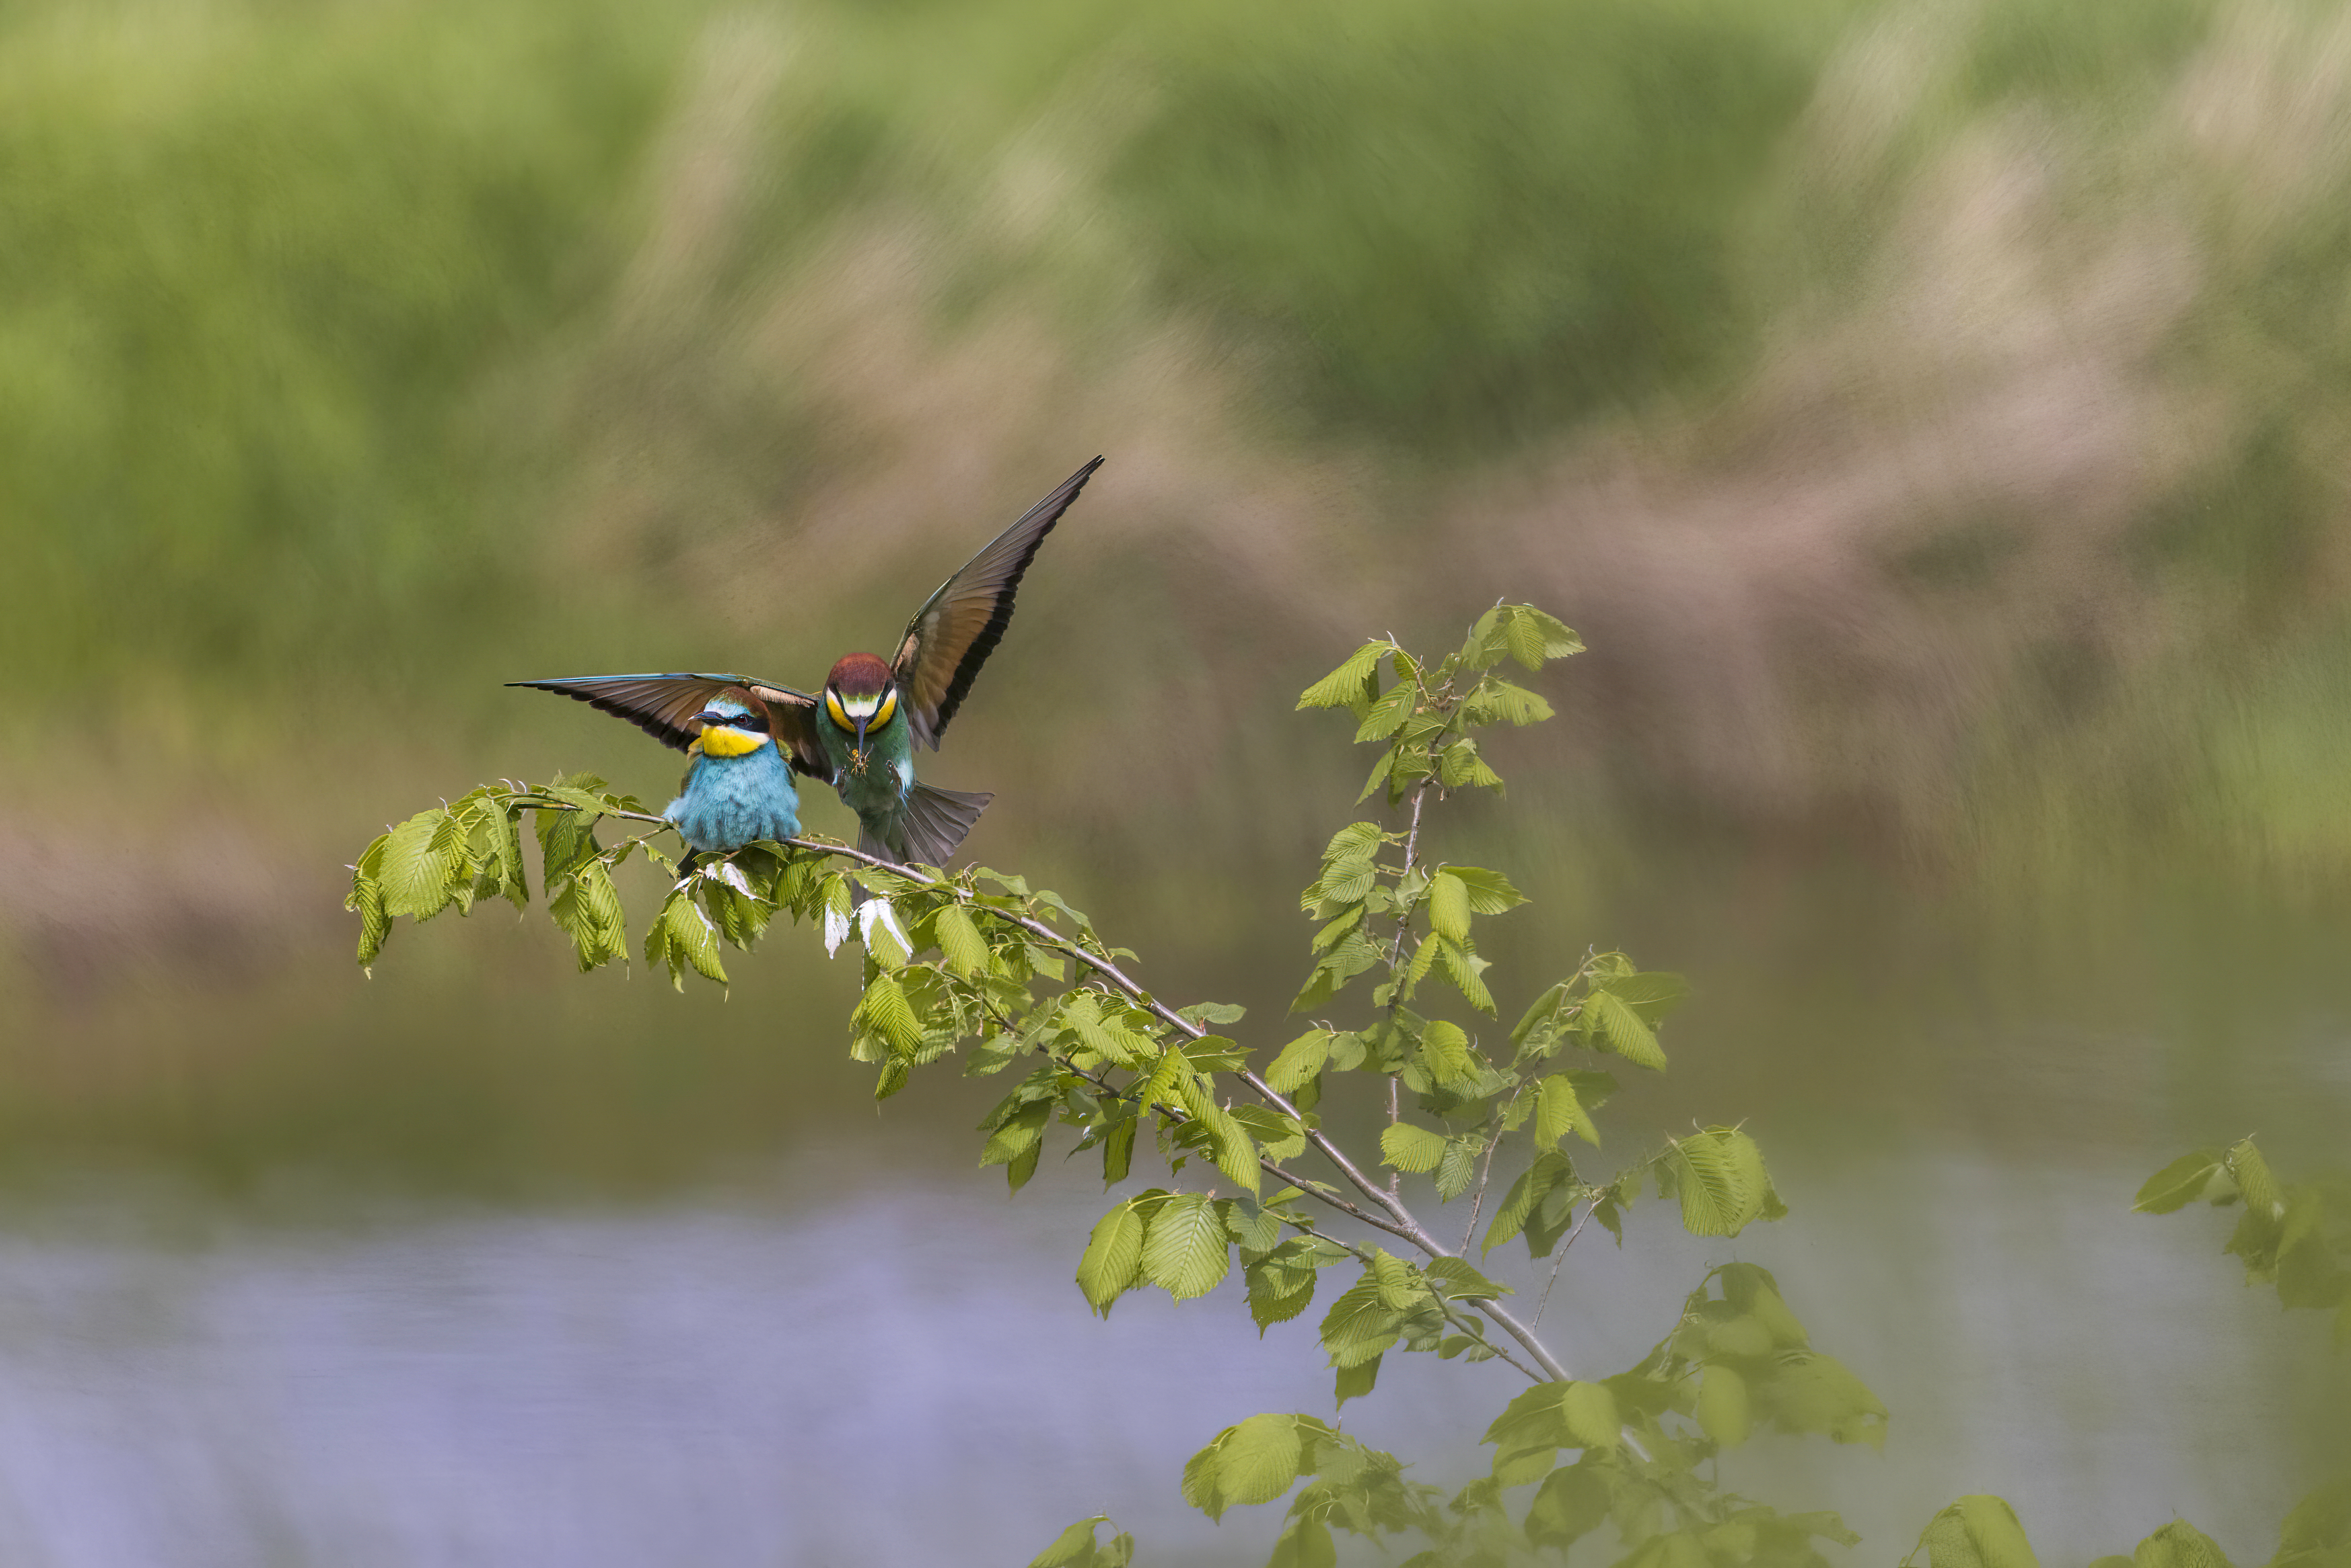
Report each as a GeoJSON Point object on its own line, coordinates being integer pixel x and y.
{"type": "Point", "coordinates": [1933, 417]}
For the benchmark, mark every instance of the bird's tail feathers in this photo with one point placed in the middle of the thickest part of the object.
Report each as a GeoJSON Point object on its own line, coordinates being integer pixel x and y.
{"type": "Point", "coordinates": [936, 821]}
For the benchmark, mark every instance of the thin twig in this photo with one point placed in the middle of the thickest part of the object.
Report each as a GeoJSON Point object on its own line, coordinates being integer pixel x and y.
{"type": "Point", "coordinates": [1485, 1174]}
{"type": "Point", "coordinates": [600, 810]}
{"type": "Point", "coordinates": [1574, 1232]}
{"type": "Point", "coordinates": [1396, 1115]}
{"type": "Point", "coordinates": [1177, 1116]}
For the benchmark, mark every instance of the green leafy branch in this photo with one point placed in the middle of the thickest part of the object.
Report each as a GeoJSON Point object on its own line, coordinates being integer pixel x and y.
{"type": "Point", "coordinates": [981, 966]}
{"type": "Point", "coordinates": [2293, 1236]}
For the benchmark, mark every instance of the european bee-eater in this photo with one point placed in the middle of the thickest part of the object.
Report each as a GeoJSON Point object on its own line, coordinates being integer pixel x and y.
{"type": "Point", "coordinates": [738, 787]}
{"type": "Point", "coordinates": [860, 735]}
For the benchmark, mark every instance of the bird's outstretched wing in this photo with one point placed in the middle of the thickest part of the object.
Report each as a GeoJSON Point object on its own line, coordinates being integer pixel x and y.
{"type": "Point", "coordinates": [663, 706]}
{"type": "Point", "coordinates": [950, 637]}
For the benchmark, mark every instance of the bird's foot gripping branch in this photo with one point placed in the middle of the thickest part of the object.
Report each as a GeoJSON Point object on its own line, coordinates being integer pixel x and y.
{"type": "Point", "coordinates": [1264, 1169]}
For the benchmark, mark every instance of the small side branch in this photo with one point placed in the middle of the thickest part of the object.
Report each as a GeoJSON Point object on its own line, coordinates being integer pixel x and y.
{"type": "Point", "coordinates": [1397, 1220]}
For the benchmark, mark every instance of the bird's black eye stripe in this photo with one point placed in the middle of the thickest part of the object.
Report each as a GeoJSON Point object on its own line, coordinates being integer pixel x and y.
{"type": "Point", "coordinates": [755, 721]}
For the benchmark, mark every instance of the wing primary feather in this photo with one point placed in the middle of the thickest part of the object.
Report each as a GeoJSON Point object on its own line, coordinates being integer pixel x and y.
{"type": "Point", "coordinates": [951, 636]}
{"type": "Point", "coordinates": [663, 706]}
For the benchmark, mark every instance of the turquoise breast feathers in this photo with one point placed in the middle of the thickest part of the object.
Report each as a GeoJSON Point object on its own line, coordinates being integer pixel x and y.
{"type": "Point", "coordinates": [728, 801]}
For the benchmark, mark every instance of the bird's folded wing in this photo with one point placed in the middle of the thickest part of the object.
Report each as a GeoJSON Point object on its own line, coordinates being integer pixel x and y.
{"type": "Point", "coordinates": [950, 637]}
{"type": "Point", "coordinates": [665, 706]}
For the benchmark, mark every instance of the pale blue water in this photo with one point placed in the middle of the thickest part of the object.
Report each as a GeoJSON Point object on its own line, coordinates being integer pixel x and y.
{"type": "Point", "coordinates": [795, 1374]}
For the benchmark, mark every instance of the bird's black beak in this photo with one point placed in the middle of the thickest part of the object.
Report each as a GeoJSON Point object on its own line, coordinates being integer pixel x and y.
{"type": "Point", "coordinates": [710, 716]}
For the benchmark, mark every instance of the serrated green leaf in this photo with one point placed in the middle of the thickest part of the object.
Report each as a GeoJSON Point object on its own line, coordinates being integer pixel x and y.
{"type": "Point", "coordinates": [2320, 1523]}
{"type": "Point", "coordinates": [1017, 1139]}
{"type": "Point", "coordinates": [1357, 841]}
{"type": "Point", "coordinates": [1588, 1411]}
{"type": "Point", "coordinates": [421, 864]}
{"type": "Point", "coordinates": [2179, 1544]}
{"type": "Point", "coordinates": [1253, 1227]}
{"type": "Point", "coordinates": [1300, 1059]}
{"type": "Point", "coordinates": [1532, 637]}
{"type": "Point", "coordinates": [1278, 1136]}
{"type": "Point", "coordinates": [1282, 1283]}
{"type": "Point", "coordinates": [1257, 1460]}
{"type": "Point", "coordinates": [1558, 1415]}
{"type": "Point", "coordinates": [1360, 1323]}
{"type": "Point", "coordinates": [1559, 1111]}
{"type": "Point", "coordinates": [1074, 1548]}
{"type": "Point", "coordinates": [1229, 1142]}
{"type": "Point", "coordinates": [1570, 1504]}
{"type": "Point", "coordinates": [1524, 638]}
{"type": "Point", "coordinates": [1449, 906]}
{"type": "Point", "coordinates": [1354, 1381]}
{"type": "Point", "coordinates": [1424, 957]}
{"type": "Point", "coordinates": [1718, 1176]}
{"type": "Point", "coordinates": [1334, 930]}
{"type": "Point", "coordinates": [1445, 1052]}
{"type": "Point", "coordinates": [1980, 1531]}
{"type": "Point", "coordinates": [1410, 1148]}
{"type": "Point", "coordinates": [1457, 1279]}
{"type": "Point", "coordinates": [505, 841]}
{"type": "Point", "coordinates": [2180, 1183]}
{"type": "Point", "coordinates": [1615, 1027]}
{"type": "Point", "coordinates": [886, 1014]}
{"type": "Point", "coordinates": [1458, 1167]}
{"type": "Point", "coordinates": [725, 893]}
{"type": "Point", "coordinates": [1112, 1042]}
{"type": "Point", "coordinates": [1384, 718]}
{"type": "Point", "coordinates": [1724, 1411]}
{"type": "Point", "coordinates": [588, 910]}
{"type": "Point", "coordinates": [1466, 969]}
{"type": "Point", "coordinates": [1486, 645]}
{"type": "Point", "coordinates": [1118, 1150]}
{"type": "Point", "coordinates": [1304, 1543]}
{"type": "Point", "coordinates": [1185, 1249]}
{"type": "Point", "coordinates": [1541, 1020]}
{"type": "Point", "coordinates": [1350, 685]}
{"type": "Point", "coordinates": [1166, 1085]}
{"type": "Point", "coordinates": [366, 898]}
{"type": "Point", "coordinates": [1344, 885]}
{"type": "Point", "coordinates": [1113, 1263]}
{"type": "Point", "coordinates": [1496, 700]}
{"type": "Point", "coordinates": [1534, 1184]}
{"type": "Point", "coordinates": [1212, 1052]}
{"type": "Point", "coordinates": [1811, 1393]}
{"type": "Point", "coordinates": [681, 934]}
{"type": "Point", "coordinates": [1651, 993]}
{"type": "Point", "coordinates": [2261, 1228]}
{"type": "Point", "coordinates": [961, 945]}
{"type": "Point", "coordinates": [1490, 892]}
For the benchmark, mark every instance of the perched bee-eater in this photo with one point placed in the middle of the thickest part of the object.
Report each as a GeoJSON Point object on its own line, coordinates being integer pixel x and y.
{"type": "Point", "coordinates": [738, 787]}
{"type": "Point", "coordinates": [860, 733]}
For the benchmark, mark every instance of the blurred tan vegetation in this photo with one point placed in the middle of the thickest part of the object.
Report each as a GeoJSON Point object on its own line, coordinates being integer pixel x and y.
{"type": "Point", "coordinates": [1933, 415]}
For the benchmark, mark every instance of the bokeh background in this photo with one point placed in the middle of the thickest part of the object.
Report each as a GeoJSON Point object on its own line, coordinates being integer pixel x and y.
{"type": "Point", "coordinates": [1934, 415]}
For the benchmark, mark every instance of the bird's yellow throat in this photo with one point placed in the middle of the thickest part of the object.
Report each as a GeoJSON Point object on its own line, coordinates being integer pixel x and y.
{"type": "Point", "coordinates": [719, 742]}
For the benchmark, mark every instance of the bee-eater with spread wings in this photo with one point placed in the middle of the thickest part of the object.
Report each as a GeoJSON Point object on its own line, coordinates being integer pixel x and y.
{"type": "Point", "coordinates": [859, 735]}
